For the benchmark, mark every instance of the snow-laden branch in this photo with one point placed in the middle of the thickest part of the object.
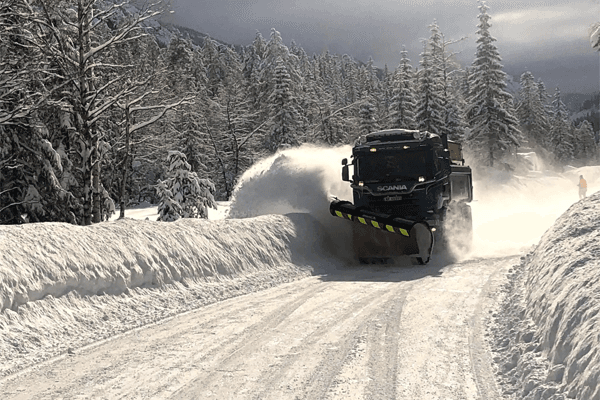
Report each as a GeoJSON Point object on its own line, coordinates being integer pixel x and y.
{"type": "Point", "coordinates": [124, 31]}
{"type": "Point", "coordinates": [252, 133]}
{"type": "Point", "coordinates": [137, 100]}
{"type": "Point", "coordinates": [163, 111]}
{"type": "Point", "coordinates": [92, 99]}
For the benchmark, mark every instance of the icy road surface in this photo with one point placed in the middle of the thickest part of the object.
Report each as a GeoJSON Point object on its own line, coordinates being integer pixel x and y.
{"type": "Point", "coordinates": [369, 332]}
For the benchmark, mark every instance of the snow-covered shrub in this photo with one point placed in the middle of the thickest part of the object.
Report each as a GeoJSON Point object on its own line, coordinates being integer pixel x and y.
{"type": "Point", "coordinates": [183, 194]}
{"type": "Point", "coordinates": [168, 209]}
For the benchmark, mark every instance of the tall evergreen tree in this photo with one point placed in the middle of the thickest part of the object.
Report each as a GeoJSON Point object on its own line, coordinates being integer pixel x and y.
{"type": "Point", "coordinates": [561, 132]}
{"type": "Point", "coordinates": [402, 109]}
{"type": "Point", "coordinates": [430, 109]}
{"type": "Point", "coordinates": [367, 114]}
{"type": "Point", "coordinates": [285, 120]}
{"type": "Point", "coordinates": [586, 149]}
{"type": "Point", "coordinates": [456, 125]}
{"type": "Point", "coordinates": [494, 128]}
{"type": "Point", "coordinates": [531, 112]}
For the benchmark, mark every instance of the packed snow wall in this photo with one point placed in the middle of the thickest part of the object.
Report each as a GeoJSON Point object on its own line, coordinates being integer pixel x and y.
{"type": "Point", "coordinates": [53, 259]}
{"type": "Point", "coordinates": [547, 340]}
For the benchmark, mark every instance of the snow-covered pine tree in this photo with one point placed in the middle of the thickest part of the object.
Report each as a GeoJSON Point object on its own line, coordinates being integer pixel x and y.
{"type": "Point", "coordinates": [438, 63]}
{"type": "Point", "coordinates": [562, 140]}
{"type": "Point", "coordinates": [367, 114]}
{"type": "Point", "coordinates": [373, 87]}
{"type": "Point", "coordinates": [216, 65]}
{"type": "Point", "coordinates": [183, 187]}
{"type": "Point", "coordinates": [558, 107]}
{"type": "Point", "coordinates": [350, 72]}
{"type": "Point", "coordinates": [531, 112]}
{"type": "Point", "coordinates": [561, 132]}
{"type": "Point", "coordinates": [285, 120]}
{"type": "Point", "coordinates": [386, 85]}
{"type": "Point", "coordinates": [586, 149]}
{"type": "Point", "coordinates": [430, 108]}
{"type": "Point", "coordinates": [402, 110]}
{"type": "Point", "coordinates": [169, 210]}
{"type": "Point", "coordinates": [251, 69]}
{"type": "Point", "coordinates": [494, 130]}
{"type": "Point", "coordinates": [277, 53]}
{"type": "Point", "coordinates": [544, 97]}
{"type": "Point", "coordinates": [446, 74]}
{"type": "Point", "coordinates": [456, 125]}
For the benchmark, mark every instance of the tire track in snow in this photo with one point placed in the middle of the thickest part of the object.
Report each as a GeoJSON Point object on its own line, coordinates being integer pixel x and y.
{"type": "Point", "coordinates": [383, 352]}
{"type": "Point", "coordinates": [269, 378]}
{"type": "Point", "coordinates": [481, 362]}
{"type": "Point", "coordinates": [342, 353]}
{"type": "Point", "coordinates": [249, 338]}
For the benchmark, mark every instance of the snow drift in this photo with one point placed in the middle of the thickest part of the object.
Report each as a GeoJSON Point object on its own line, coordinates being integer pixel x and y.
{"type": "Point", "coordinates": [38, 260]}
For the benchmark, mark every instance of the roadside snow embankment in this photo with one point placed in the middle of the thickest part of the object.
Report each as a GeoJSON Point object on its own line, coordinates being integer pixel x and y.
{"type": "Point", "coordinates": [62, 281]}
{"type": "Point", "coordinates": [546, 333]}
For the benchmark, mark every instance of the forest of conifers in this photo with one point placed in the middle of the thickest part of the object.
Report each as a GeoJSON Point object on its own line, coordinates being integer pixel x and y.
{"type": "Point", "coordinates": [93, 106]}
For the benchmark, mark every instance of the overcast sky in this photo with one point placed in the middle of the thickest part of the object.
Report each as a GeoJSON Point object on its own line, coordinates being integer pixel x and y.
{"type": "Point", "coordinates": [548, 38]}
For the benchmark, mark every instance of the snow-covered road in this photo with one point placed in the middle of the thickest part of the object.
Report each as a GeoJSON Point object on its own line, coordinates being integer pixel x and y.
{"type": "Point", "coordinates": [354, 333]}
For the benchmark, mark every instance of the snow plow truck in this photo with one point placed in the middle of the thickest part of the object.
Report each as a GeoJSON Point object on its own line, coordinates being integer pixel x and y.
{"type": "Point", "coordinates": [411, 190]}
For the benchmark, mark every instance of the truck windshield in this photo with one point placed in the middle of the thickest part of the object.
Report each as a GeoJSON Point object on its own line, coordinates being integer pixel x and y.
{"type": "Point", "coordinates": [388, 166]}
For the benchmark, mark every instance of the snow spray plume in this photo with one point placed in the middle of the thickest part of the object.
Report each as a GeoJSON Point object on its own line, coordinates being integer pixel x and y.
{"type": "Point", "coordinates": [295, 180]}
{"type": "Point", "coordinates": [513, 209]}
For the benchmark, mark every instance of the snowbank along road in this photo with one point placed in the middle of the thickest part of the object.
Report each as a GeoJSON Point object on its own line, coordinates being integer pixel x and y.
{"type": "Point", "coordinates": [274, 306]}
{"type": "Point", "coordinates": [364, 333]}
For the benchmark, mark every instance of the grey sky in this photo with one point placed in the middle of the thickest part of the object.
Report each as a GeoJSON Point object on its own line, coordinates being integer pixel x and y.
{"type": "Point", "coordinates": [549, 38]}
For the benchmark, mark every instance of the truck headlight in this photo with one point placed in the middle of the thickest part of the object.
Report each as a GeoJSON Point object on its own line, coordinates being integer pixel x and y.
{"type": "Point", "coordinates": [421, 179]}
{"type": "Point", "coordinates": [361, 184]}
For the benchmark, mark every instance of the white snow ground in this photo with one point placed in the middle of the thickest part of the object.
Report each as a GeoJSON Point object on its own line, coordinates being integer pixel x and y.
{"type": "Point", "coordinates": [64, 286]}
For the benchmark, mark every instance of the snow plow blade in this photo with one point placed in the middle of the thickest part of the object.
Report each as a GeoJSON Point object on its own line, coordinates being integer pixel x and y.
{"type": "Point", "coordinates": [382, 236]}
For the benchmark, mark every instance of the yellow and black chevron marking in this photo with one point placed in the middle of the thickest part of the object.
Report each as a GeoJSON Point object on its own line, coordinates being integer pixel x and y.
{"type": "Point", "coordinates": [374, 224]}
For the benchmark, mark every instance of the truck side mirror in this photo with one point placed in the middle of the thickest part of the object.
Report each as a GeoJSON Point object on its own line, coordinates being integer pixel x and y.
{"type": "Point", "coordinates": [345, 173]}
{"type": "Point", "coordinates": [345, 161]}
